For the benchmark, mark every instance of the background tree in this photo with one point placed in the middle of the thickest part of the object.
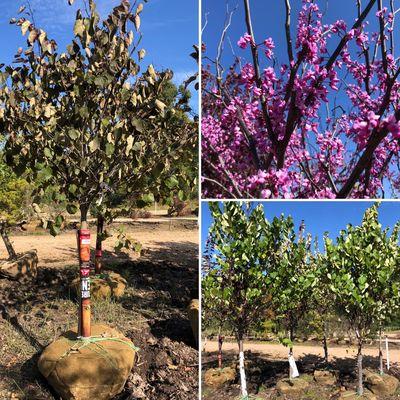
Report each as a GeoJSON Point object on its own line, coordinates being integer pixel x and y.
{"type": "Point", "coordinates": [363, 275]}
{"type": "Point", "coordinates": [76, 118]}
{"type": "Point", "coordinates": [321, 121]}
{"type": "Point", "coordinates": [14, 205]}
{"type": "Point", "coordinates": [236, 281]}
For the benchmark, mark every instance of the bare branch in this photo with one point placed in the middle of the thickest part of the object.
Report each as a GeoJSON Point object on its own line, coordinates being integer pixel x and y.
{"type": "Point", "coordinates": [382, 39]}
{"type": "Point", "coordinates": [345, 38]}
{"type": "Point", "coordinates": [287, 29]}
{"type": "Point", "coordinates": [256, 66]}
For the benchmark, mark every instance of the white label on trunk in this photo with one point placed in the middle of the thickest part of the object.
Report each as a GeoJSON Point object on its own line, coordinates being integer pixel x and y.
{"type": "Point", "coordinates": [242, 374]}
{"type": "Point", "coordinates": [294, 372]}
{"type": "Point", "coordinates": [85, 241]}
{"type": "Point", "coordinates": [387, 354]}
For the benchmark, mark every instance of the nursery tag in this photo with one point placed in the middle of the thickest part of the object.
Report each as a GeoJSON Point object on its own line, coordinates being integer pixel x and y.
{"type": "Point", "coordinates": [84, 245]}
{"type": "Point", "coordinates": [293, 367]}
{"type": "Point", "coordinates": [85, 288]}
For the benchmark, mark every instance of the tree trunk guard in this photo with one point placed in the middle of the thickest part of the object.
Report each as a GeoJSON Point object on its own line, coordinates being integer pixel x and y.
{"type": "Point", "coordinates": [84, 273]}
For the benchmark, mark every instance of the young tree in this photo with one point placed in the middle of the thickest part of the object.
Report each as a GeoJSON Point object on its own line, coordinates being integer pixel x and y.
{"type": "Point", "coordinates": [236, 280]}
{"type": "Point", "coordinates": [87, 120]}
{"type": "Point", "coordinates": [290, 278]}
{"type": "Point", "coordinates": [177, 179]}
{"type": "Point", "coordinates": [322, 299]}
{"type": "Point", "coordinates": [213, 308]}
{"type": "Point", "coordinates": [321, 123]}
{"type": "Point", "coordinates": [364, 276]}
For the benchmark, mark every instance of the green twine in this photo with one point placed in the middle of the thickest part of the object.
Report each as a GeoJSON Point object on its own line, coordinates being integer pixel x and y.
{"type": "Point", "coordinates": [96, 339]}
{"type": "Point", "coordinates": [84, 342]}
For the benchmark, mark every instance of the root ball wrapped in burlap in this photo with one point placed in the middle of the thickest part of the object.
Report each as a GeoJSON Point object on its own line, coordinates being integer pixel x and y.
{"type": "Point", "coordinates": [193, 312]}
{"type": "Point", "coordinates": [95, 368]}
{"type": "Point", "coordinates": [104, 286]}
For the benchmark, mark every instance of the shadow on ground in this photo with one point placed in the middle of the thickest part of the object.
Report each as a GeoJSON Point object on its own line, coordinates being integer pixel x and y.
{"type": "Point", "coordinates": [160, 286]}
{"type": "Point", "coordinates": [263, 372]}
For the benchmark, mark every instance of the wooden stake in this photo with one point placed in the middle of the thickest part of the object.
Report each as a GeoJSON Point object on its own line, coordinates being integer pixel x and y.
{"type": "Point", "coordinates": [84, 272]}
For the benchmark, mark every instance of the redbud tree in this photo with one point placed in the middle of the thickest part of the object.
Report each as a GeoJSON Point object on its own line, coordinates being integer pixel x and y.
{"type": "Point", "coordinates": [321, 120]}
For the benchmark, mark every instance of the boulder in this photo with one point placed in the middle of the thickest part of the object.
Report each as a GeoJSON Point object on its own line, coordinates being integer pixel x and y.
{"type": "Point", "coordinates": [325, 377]}
{"type": "Point", "coordinates": [381, 385]}
{"type": "Point", "coordinates": [88, 369]}
{"type": "Point", "coordinates": [103, 286]}
{"type": "Point", "coordinates": [216, 377]}
{"type": "Point", "coordinates": [292, 387]}
{"type": "Point", "coordinates": [193, 313]}
{"type": "Point", "coordinates": [25, 265]}
{"type": "Point", "coordinates": [352, 395]}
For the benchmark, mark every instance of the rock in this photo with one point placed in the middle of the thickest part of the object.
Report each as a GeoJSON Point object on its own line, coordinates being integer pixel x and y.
{"type": "Point", "coordinates": [216, 377]}
{"type": "Point", "coordinates": [381, 385]}
{"type": "Point", "coordinates": [325, 377]}
{"type": "Point", "coordinates": [25, 265]}
{"type": "Point", "coordinates": [193, 312]}
{"type": "Point", "coordinates": [292, 387]}
{"type": "Point", "coordinates": [83, 370]}
{"type": "Point", "coordinates": [104, 286]}
{"type": "Point", "coordinates": [351, 395]}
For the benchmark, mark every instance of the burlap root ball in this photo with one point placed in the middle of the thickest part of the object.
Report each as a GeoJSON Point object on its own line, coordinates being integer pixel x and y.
{"type": "Point", "coordinates": [193, 313]}
{"type": "Point", "coordinates": [86, 370]}
{"type": "Point", "coordinates": [104, 286]}
{"type": "Point", "coordinates": [26, 265]}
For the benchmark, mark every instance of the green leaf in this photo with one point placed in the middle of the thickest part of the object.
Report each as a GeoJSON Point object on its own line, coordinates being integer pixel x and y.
{"type": "Point", "coordinates": [138, 124]}
{"type": "Point", "coordinates": [25, 26]}
{"type": "Point", "coordinates": [110, 149]}
{"type": "Point", "coordinates": [72, 188]}
{"type": "Point", "coordinates": [47, 152]}
{"type": "Point", "coordinates": [72, 209]}
{"type": "Point", "coordinates": [54, 230]}
{"type": "Point", "coordinates": [59, 220]}
{"type": "Point", "coordinates": [172, 182]}
{"type": "Point", "coordinates": [79, 27]}
{"type": "Point", "coordinates": [94, 144]}
{"type": "Point", "coordinates": [105, 122]}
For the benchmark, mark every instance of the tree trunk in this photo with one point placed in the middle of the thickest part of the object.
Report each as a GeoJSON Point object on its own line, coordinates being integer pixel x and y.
{"type": "Point", "coordinates": [380, 353]}
{"type": "Point", "coordinates": [220, 342]}
{"type": "Point", "coordinates": [99, 241]}
{"type": "Point", "coordinates": [360, 388]}
{"type": "Point", "coordinates": [243, 384]}
{"type": "Point", "coordinates": [84, 269]}
{"type": "Point", "coordinates": [325, 343]}
{"type": "Point", "coordinates": [10, 249]}
{"type": "Point", "coordinates": [291, 337]}
{"type": "Point", "coordinates": [387, 353]}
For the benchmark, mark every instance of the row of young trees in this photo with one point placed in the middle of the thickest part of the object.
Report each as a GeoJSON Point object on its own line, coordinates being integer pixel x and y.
{"type": "Point", "coordinates": [252, 266]}
{"type": "Point", "coordinates": [88, 121]}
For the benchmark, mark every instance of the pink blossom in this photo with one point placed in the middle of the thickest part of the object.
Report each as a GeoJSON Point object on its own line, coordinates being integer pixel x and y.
{"type": "Point", "coordinates": [336, 110]}
{"type": "Point", "coordinates": [245, 40]}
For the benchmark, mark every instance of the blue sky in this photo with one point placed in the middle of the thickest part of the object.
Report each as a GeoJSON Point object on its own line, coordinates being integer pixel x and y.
{"type": "Point", "coordinates": [169, 28]}
{"type": "Point", "coordinates": [319, 216]}
{"type": "Point", "coordinates": [269, 21]}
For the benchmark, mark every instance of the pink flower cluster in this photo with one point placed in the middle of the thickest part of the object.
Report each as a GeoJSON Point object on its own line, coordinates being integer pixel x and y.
{"type": "Point", "coordinates": [322, 115]}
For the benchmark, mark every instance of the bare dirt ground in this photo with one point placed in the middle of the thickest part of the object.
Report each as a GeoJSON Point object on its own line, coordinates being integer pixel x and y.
{"type": "Point", "coordinates": [267, 363]}
{"type": "Point", "coordinates": [279, 352]}
{"type": "Point", "coordinates": [152, 312]}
